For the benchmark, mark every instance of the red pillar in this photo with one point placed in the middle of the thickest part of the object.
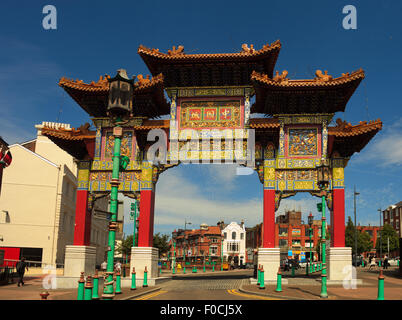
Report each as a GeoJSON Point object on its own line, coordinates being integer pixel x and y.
{"type": "Point", "coordinates": [146, 223]}
{"type": "Point", "coordinates": [269, 219]}
{"type": "Point", "coordinates": [82, 229]}
{"type": "Point", "coordinates": [338, 218]}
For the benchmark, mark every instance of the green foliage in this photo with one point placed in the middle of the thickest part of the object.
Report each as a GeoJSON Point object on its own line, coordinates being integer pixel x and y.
{"type": "Point", "coordinates": [160, 242]}
{"type": "Point", "coordinates": [364, 242]}
{"type": "Point", "coordinates": [387, 232]}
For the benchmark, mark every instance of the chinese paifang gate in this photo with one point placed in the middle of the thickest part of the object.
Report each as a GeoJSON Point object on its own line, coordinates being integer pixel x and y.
{"type": "Point", "coordinates": [293, 136]}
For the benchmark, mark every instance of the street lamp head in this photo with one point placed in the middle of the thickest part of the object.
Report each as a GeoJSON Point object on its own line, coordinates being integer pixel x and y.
{"type": "Point", "coordinates": [121, 91]}
{"type": "Point", "coordinates": [310, 219]}
{"type": "Point", "coordinates": [323, 175]}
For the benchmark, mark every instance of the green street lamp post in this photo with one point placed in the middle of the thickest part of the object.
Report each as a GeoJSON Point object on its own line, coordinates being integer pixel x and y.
{"type": "Point", "coordinates": [310, 223]}
{"type": "Point", "coordinates": [119, 106]}
{"type": "Point", "coordinates": [323, 182]}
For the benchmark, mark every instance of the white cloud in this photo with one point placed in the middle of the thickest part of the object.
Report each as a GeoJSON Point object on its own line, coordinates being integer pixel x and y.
{"type": "Point", "coordinates": [386, 149]}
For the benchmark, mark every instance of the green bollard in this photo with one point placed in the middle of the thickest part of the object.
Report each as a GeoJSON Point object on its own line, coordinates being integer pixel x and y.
{"type": "Point", "coordinates": [204, 268]}
{"type": "Point", "coordinates": [381, 278]}
{"type": "Point", "coordinates": [133, 284]}
{"type": "Point", "coordinates": [184, 269]}
{"type": "Point", "coordinates": [279, 281]}
{"type": "Point", "coordinates": [213, 267]}
{"type": "Point", "coordinates": [145, 284]}
{"type": "Point", "coordinates": [88, 289]}
{"type": "Point", "coordinates": [293, 271]}
{"type": "Point", "coordinates": [262, 281]}
{"type": "Point", "coordinates": [118, 283]}
{"type": "Point", "coordinates": [379, 263]}
{"type": "Point", "coordinates": [81, 284]}
{"type": "Point", "coordinates": [95, 290]}
{"type": "Point", "coordinates": [362, 263]}
{"type": "Point", "coordinates": [258, 275]}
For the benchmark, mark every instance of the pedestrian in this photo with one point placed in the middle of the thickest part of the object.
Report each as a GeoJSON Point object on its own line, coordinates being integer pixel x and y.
{"type": "Point", "coordinates": [385, 262]}
{"type": "Point", "coordinates": [372, 263]}
{"type": "Point", "coordinates": [117, 266]}
{"type": "Point", "coordinates": [104, 266]}
{"type": "Point", "coordinates": [21, 266]}
{"type": "Point", "coordinates": [370, 258]}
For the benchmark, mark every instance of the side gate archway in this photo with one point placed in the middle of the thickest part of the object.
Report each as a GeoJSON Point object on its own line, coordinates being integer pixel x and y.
{"type": "Point", "coordinates": [289, 125]}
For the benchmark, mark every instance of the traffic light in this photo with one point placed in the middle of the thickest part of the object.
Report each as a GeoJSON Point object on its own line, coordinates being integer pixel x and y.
{"type": "Point", "coordinates": [319, 207]}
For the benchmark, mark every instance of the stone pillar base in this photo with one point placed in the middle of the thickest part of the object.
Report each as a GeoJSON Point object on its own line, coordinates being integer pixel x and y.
{"type": "Point", "coordinates": [79, 259]}
{"type": "Point", "coordinates": [269, 258]}
{"type": "Point", "coordinates": [142, 257]}
{"type": "Point", "coordinates": [339, 263]}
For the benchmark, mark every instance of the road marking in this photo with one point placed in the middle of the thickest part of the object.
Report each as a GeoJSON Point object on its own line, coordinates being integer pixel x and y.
{"type": "Point", "coordinates": [151, 295]}
{"type": "Point", "coordinates": [234, 292]}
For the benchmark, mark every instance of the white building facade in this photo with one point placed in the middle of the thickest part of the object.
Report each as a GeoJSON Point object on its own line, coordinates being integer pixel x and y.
{"type": "Point", "coordinates": [234, 243]}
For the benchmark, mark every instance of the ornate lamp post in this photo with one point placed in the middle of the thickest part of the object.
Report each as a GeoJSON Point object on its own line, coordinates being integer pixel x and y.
{"type": "Point", "coordinates": [174, 235]}
{"type": "Point", "coordinates": [119, 107]}
{"type": "Point", "coordinates": [185, 242]}
{"type": "Point", "coordinates": [323, 182]}
{"type": "Point", "coordinates": [354, 205]}
{"type": "Point", "coordinates": [310, 223]}
{"type": "Point", "coordinates": [379, 260]}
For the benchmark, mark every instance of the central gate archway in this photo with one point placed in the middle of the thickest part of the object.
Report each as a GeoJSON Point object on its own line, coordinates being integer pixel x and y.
{"type": "Point", "coordinates": [211, 93]}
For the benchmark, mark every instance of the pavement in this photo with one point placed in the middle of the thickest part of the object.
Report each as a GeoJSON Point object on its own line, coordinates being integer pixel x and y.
{"type": "Point", "coordinates": [33, 287]}
{"type": "Point", "coordinates": [302, 289]}
{"type": "Point", "coordinates": [298, 288]}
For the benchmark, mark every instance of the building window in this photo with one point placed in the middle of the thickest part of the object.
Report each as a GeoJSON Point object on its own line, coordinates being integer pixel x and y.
{"type": "Point", "coordinates": [225, 235]}
{"type": "Point", "coordinates": [213, 251]}
{"type": "Point", "coordinates": [233, 246]}
{"type": "Point", "coordinates": [234, 235]}
{"type": "Point", "coordinates": [241, 236]}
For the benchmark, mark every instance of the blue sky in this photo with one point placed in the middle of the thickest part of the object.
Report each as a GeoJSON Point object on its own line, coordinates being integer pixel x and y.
{"type": "Point", "coordinates": [97, 38]}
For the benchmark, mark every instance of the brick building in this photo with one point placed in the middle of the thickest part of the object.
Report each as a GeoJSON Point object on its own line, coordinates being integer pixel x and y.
{"type": "Point", "coordinates": [290, 235]}
{"type": "Point", "coordinates": [392, 216]}
{"type": "Point", "coordinates": [373, 232]}
{"type": "Point", "coordinates": [198, 244]}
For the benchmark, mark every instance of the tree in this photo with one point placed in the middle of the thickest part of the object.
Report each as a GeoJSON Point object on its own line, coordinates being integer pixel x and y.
{"type": "Point", "coordinates": [160, 242]}
{"type": "Point", "coordinates": [387, 232]}
{"type": "Point", "coordinates": [364, 242]}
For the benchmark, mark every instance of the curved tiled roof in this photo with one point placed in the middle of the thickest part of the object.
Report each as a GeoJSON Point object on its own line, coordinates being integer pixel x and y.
{"type": "Point", "coordinates": [323, 94]}
{"type": "Point", "coordinates": [323, 80]}
{"type": "Point", "coordinates": [260, 123]}
{"type": "Point", "coordinates": [93, 97]}
{"type": "Point", "coordinates": [179, 54]}
{"type": "Point", "coordinates": [344, 129]}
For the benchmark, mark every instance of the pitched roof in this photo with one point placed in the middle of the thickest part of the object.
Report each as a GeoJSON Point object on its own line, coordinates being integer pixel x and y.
{"type": "Point", "coordinates": [187, 70]}
{"type": "Point", "coordinates": [323, 94]}
{"type": "Point", "coordinates": [149, 99]}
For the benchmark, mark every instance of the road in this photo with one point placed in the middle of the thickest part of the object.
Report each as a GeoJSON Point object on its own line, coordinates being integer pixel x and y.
{"type": "Point", "coordinates": [209, 286]}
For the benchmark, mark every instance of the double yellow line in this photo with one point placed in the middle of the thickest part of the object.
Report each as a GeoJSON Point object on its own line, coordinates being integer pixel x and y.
{"type": "Point", "coordinates": [250, 296]}
{"type": "Point", "coordinates": [151, 295]}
